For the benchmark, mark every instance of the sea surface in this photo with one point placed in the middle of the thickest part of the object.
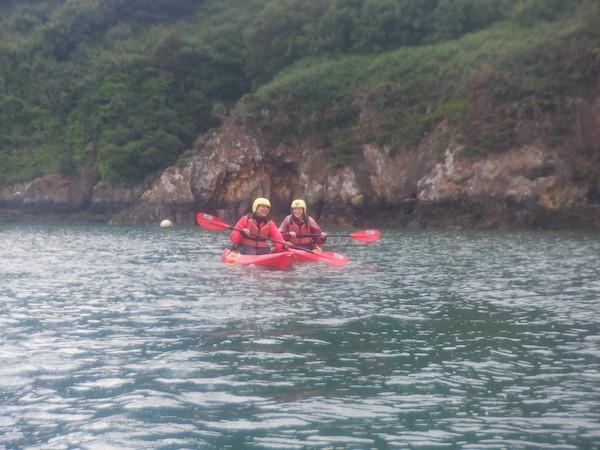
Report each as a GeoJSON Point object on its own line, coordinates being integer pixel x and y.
{"type": "Point", "coordinates": [140, 338]}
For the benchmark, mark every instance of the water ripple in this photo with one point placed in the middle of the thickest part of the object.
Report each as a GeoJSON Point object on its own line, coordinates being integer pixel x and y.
{"type": "Point", "coordinates": [133, 337]}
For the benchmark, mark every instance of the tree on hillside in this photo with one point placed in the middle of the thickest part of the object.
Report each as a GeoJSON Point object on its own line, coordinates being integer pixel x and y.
{"type": "Point", "coordinates": [283, 31]}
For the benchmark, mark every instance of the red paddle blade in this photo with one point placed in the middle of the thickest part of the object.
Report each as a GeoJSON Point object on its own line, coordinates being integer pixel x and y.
{"type": "Point", "coordinates": [210, 222]}
{"type": "Point", "coordinates": [366, 235]}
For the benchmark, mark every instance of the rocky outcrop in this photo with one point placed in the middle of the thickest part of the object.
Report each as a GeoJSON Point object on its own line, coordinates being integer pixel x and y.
{"type": "Point", "coordinates": [523, 175]}
{"type": "Point", "coordinates": [525, 186]}
{"type": "Point", "coordinates": [417, 188]}
{"type": "Point", "coordinates": [50, 192]}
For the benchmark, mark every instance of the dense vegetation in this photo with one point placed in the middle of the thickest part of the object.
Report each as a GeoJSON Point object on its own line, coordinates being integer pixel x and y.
{"type": "Point", "coordinates": [493, 88]}
{"type": "Point", "coordinates": [132, 83]}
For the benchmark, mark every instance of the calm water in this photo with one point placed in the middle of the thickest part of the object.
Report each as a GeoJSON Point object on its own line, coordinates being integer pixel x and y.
{"type": "Point", "coordinates": [132, 337]}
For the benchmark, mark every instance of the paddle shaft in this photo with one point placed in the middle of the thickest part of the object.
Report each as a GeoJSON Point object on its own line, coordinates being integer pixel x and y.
{"type": "Point", "coordinates": [319, 235]}
{"type": "Point", "coordinates": [361, 235]}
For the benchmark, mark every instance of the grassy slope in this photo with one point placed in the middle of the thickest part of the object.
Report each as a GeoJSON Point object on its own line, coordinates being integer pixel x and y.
{"type": "Point", "coordinates": [520, 69]}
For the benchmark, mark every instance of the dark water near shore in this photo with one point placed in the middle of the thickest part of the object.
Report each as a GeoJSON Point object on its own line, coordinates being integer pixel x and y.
{"type": "Point", "coordinates": [132, 337]}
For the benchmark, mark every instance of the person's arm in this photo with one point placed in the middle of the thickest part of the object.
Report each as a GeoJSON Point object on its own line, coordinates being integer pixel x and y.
{"type": "Point", "coordinates": [275, 234]}
{"type": "Point", "coordinates": [284, 228]}
{"type": "Point", "coordinates": [285, 225]}
{"type": "Point", "coordinates": [316, 229]}
{"type": "Point", "coordinates": [236, 236]}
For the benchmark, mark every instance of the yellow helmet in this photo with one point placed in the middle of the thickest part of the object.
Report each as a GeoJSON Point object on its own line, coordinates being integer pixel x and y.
{"type": "Point", "coordinates": [298, 203]}
{"type": "Point", "coordinates": [260, 201]}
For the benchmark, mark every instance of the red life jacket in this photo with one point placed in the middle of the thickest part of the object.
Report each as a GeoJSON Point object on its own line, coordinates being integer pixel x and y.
{"type": "Point", "coordinates": [256, 230]}
{"type": "Point", "coordinates": [303, 228]}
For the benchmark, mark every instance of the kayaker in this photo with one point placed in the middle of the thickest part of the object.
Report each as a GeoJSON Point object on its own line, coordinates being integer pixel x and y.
{"type": "Point", "coordinates": [301, 229]}
{"type": "Point", "coordinates": [255, 227]}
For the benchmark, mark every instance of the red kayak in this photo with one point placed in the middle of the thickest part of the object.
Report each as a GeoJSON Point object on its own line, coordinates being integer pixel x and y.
{"type": "Point", "coordinates": [319, 255]}
{"type": "Point", "coordinates": [279, 260]}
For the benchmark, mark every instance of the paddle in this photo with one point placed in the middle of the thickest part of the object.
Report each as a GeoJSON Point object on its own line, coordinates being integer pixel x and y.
{"type": "Point", "coordinates": [360, 235]}
{"type": "Point", "coordinates": [210, 222]}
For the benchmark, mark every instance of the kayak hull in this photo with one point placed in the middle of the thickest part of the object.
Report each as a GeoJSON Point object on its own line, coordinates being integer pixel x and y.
{"type": "Point", "coordinates": [279, 260]}
{"type": "Point", "coordinates": [302, 256]}
{"type": "Point", "coordinates": [312, 256]}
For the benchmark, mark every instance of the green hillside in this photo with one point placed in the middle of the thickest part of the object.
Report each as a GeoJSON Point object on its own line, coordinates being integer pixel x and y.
{"type": "Point", "coordinates": [519, 70]}
{"type": "Point", "coordinates": [132, 83]}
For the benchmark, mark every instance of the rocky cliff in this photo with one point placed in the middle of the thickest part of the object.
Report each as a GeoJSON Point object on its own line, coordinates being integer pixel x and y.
{"type": "Point", "coordinates": [526, 186]}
